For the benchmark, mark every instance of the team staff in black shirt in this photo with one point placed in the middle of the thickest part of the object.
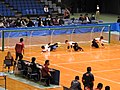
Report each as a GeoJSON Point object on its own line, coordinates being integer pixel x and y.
{"type": "Point", "coordinates": [88, 79]}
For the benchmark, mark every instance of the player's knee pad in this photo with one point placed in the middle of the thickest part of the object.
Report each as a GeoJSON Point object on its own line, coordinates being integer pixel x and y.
{"type": "Point", "coordinates": [68, 47]}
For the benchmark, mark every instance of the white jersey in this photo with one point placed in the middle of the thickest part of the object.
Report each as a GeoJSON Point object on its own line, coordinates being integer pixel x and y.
{"type": "Point", "coordinates": [47, 48]}
{"type": "Point", "coordinates": [101, 41]}
{"type": "Point", "coordinates": [71, 43]}
{"type": "Point", "coordinates": [98, 39]}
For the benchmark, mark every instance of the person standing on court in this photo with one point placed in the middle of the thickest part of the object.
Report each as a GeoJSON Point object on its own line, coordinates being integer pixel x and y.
{"type": "Point", "coordinates": [88, 78]}
{"type": "Point", "coordinates": [19, 49]}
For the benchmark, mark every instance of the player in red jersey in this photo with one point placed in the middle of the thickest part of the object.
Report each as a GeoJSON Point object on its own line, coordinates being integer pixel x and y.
{"type": "Point", "coordinates": [19, 49]}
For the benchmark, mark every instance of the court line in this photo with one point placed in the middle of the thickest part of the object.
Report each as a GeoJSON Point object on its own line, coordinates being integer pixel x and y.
{"type": "Point", "coordinates": [38, 45]}
{"type": "Point", "coordinates": [107, 70]}
{"type": "Point", "coordinates": [75, 53]}
{"type": "Point", "coordinates": [26, 46]}
{"type": "Point", "coordinates": [86, 52]}
{"type": "Point", "coordinates": [90, 61]}
{"type": "Point", "coordinates": [108, 80]}
{"type": "Point", "coordinates": [102, 60]}
{"type": "Point", "coordinates": [84, 72]}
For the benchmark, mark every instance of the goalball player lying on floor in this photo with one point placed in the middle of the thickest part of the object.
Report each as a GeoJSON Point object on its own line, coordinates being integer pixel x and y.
{"type": "Point", "coordinates": [97, 41]}
{"type": "Point", "coordinates": [49, 47]}
{"type": "Point", "coordinates": [74, 45]}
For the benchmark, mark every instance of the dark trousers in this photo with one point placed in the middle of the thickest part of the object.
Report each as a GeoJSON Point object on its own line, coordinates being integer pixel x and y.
{"type": "Point", "coordinates": [95, 45]}
{"type": "Point", "coordinates": [48, 78]}
{"type": "Point", "coordinates": [18, 55]}
{"type": "Point", "coordinates": [68, 47]}
{"type": "Point", "coordinates": [91, 84]}
{"type": "Point", "coordinates": [77, 48]}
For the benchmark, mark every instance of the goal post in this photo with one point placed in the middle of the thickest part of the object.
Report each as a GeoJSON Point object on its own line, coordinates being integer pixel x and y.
{"type": "Point", "coordinates": [57, 34]}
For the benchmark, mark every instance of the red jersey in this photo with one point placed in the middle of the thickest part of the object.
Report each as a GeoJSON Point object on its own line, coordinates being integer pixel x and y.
{"type": "Point", "coordinates": [19, 47]}
{"type": "Point", "coordinates": [46, 68]}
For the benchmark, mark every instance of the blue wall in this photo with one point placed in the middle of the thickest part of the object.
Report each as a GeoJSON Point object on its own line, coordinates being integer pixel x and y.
{"type": "Point", "coordinates": [68, 29]}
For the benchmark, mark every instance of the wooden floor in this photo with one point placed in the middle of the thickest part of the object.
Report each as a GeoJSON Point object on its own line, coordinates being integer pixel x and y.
{"type": "Point", "coordinates": [105, 63]}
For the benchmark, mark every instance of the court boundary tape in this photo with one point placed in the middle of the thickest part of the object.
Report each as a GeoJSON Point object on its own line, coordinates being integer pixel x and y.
{"type": "Point", "coordinates": [83, 72]}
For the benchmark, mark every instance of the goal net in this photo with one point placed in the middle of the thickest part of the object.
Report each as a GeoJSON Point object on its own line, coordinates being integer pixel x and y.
{"type": "Point", "coordinates": [39, 36]}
